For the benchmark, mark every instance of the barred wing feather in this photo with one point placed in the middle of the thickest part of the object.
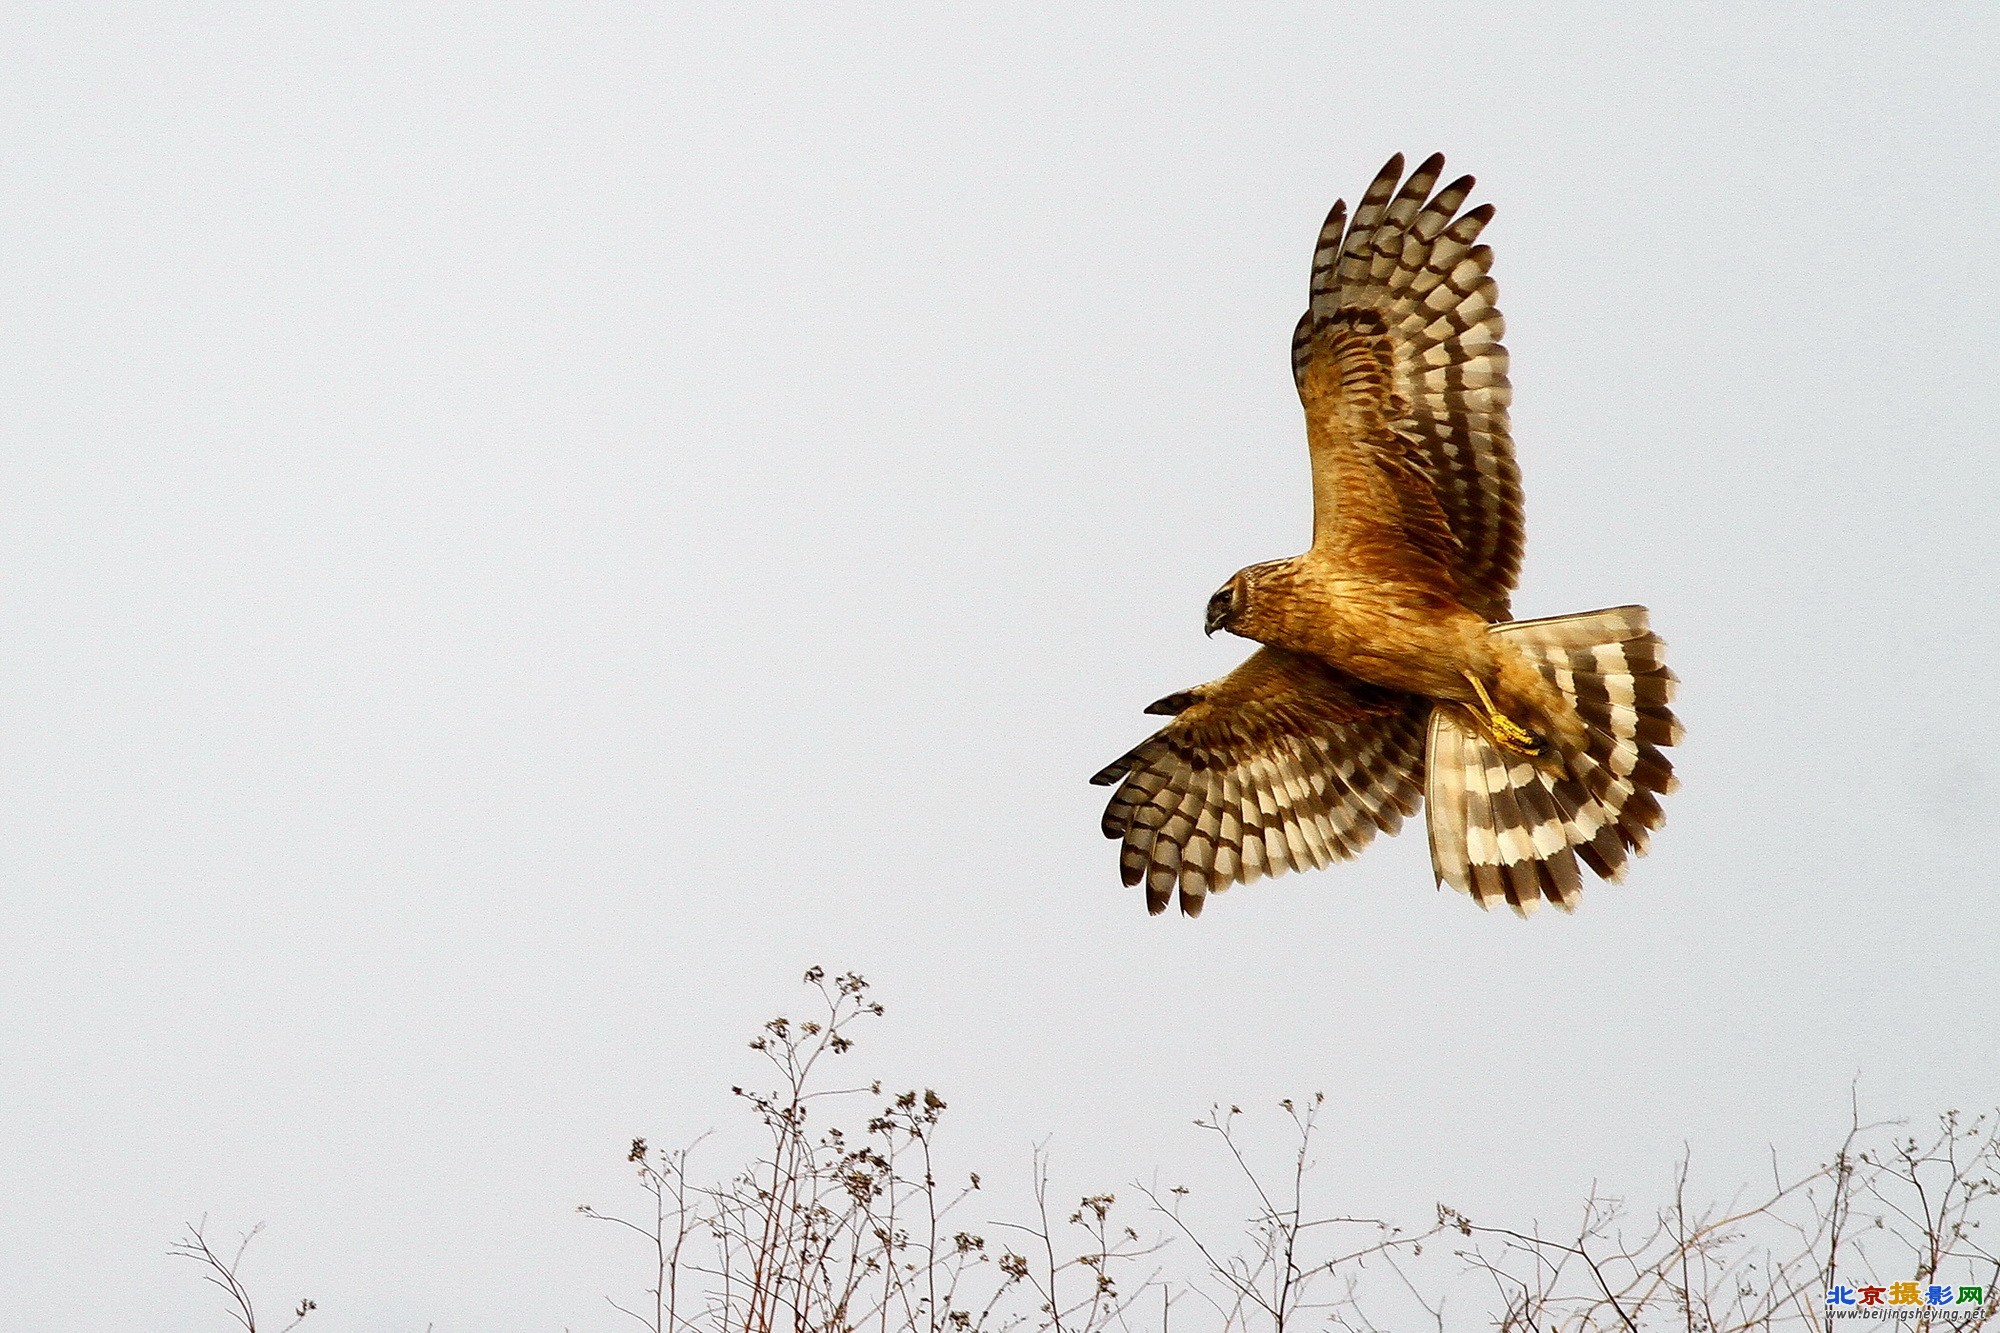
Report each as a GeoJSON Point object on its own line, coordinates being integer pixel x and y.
{"type": "Point", "coordinates": [1284, 764]}
{"type": "Point", "coordinates": [1410, 256]}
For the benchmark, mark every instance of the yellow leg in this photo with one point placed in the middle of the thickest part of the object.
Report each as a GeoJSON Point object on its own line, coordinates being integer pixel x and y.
{"type": "Point", "coordinates": [1507, 733]}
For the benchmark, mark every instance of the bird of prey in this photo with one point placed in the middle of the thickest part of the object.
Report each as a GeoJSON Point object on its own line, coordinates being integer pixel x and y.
{"type": "Point", "coordinates": [1390, 667]}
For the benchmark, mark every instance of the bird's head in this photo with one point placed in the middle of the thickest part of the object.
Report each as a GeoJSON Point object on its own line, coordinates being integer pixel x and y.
{"type": "Point", "coordinates": [1222, 607]}
{"type": "Point", "coordinates": [1237, 603]}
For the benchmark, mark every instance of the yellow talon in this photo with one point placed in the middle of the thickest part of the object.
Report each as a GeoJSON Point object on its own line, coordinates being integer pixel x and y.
{"type": "Point", "coordinates": [1513, 735]}
{"type": "Point", "coordinates": [1507, 733]}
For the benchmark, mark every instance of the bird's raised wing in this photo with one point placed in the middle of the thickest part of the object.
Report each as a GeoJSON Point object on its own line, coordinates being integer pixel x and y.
{"type": "Point", "coordinates": [1283, 764]}
{"type": "Point", "coordinates": [1399, 363]}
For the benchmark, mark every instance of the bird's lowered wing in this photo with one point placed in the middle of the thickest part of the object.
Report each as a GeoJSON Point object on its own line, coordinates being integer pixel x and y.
{"type": "Point", "coordinates": [1283, 764]}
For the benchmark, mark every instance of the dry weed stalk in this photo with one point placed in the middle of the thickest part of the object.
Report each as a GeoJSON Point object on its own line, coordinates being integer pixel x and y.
{"type": "Point", "coordinates": [1278, 1280]}
{"type": "Point", "coordinates": [840, 1230]}
{"type": "Point", "coordinates": [222, 1273]}
{"type": "Point", "coordinates": [1887, 1208]}
{"type": "Point", "coordinates": [849, 1227]}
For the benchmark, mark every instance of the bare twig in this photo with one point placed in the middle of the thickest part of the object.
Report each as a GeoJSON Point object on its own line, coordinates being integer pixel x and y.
{"type": "Point", "coordinates": [222, 1273]}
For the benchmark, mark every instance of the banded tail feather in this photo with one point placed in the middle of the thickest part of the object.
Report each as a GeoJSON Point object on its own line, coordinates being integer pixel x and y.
{"type": "Point", "coordinates": [1506, 830]}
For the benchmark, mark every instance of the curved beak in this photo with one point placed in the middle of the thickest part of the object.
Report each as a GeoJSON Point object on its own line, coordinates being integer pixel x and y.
{"type": "Point", "coordinates": [1216, 615]}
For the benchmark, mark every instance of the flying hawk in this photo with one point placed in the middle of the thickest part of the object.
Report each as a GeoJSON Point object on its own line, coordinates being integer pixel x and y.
{"type": "Point", "coordinates": [1390, 665]}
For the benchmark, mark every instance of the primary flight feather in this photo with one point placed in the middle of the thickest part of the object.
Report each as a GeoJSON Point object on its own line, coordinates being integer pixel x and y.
{"type": "Point", "coordinates": [1390, 668]}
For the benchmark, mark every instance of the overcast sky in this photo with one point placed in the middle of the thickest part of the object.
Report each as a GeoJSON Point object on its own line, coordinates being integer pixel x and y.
{"type": "Point", "coordinates": [526, 526]}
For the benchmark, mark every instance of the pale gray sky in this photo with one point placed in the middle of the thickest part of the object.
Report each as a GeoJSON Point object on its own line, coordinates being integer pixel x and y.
{"type": "Point", "coordinates": [525, 526]}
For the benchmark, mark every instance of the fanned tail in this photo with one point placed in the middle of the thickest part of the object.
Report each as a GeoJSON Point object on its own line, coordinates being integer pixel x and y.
{"type": "Point", "coordinates": [1504, 829]}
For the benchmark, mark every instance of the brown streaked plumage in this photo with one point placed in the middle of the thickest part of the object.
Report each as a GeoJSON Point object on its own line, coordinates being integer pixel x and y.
{"type": "Point", "coordinates": [1390, 663]}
